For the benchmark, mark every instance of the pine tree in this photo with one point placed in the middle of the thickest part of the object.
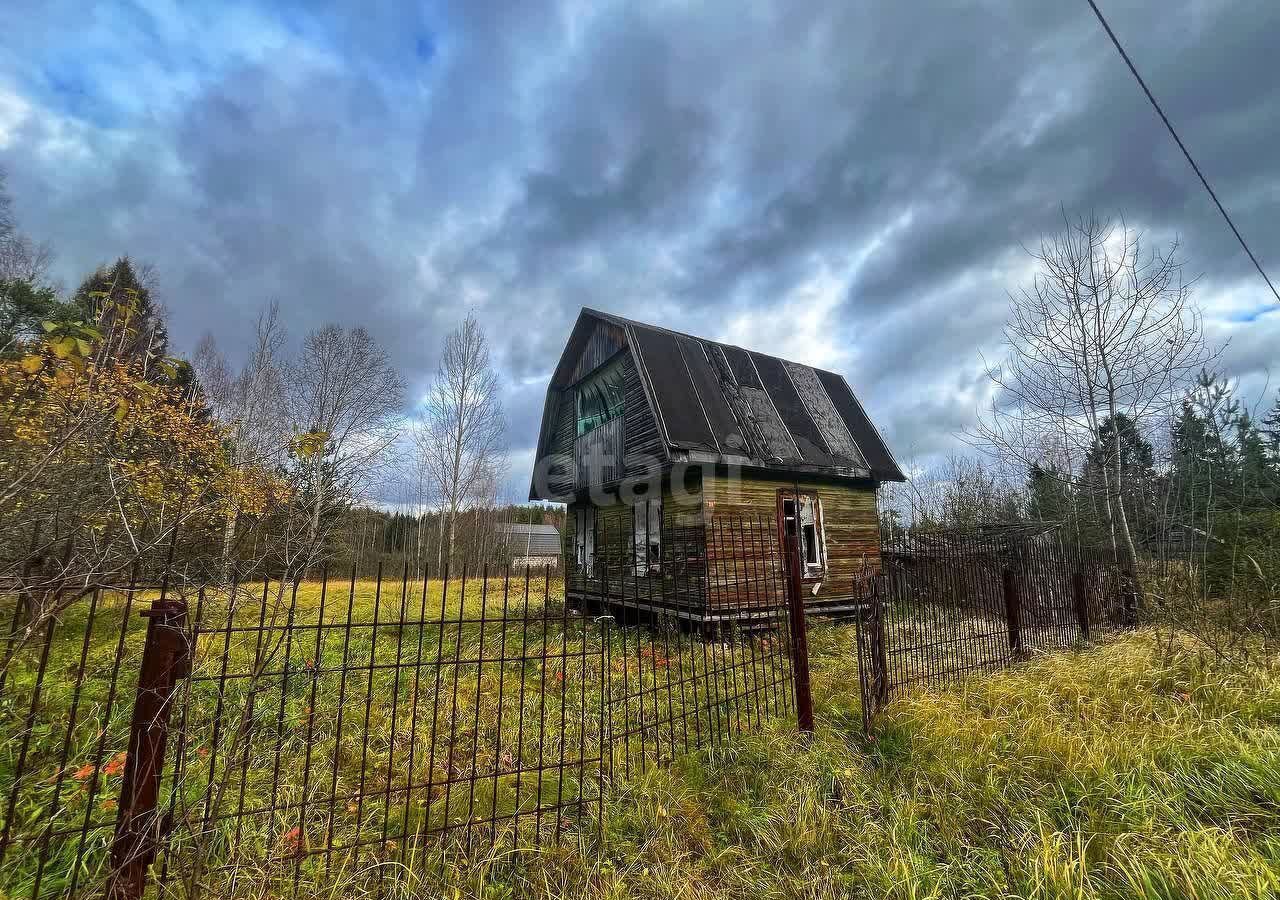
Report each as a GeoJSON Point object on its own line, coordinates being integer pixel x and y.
{"type": "Point", "coordinates": [1049, 495]}
{"type": "Point", "coordinates": [131, 321]}
{"type": "Point", "coordinates": [1137, 461]}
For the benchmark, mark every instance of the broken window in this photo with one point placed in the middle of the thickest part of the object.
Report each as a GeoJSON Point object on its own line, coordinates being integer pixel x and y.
{"type": "Point", "coordinates": [647, 532]}
{"type": "Point", "coordinates": [598, 398]}
{"type": "Point", "coordinates": [584, 538]}
{"type": "Point", "coordinates": [812, 541]}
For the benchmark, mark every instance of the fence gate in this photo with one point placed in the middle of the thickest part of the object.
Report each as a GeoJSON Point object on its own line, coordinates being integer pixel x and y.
{"type": "Point", "coordinates": [951, 602]}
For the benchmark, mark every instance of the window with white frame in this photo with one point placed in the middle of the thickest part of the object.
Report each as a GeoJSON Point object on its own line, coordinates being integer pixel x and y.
{"type": "Point", "coordinates": [813, 549]}
{"type": "Point", "coordinates": [584, 538]}
{"type": "Point", "coordinates": [647, 533]}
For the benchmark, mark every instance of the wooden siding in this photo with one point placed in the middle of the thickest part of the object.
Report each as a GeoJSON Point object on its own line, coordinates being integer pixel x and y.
{"type": "Point", "coordinates": [681, 583]}
{"type": "Point", "coordinates": [597, 455]}
{"type": "Point", "coordinates": [644, 451]}
{"type": "Point", "coordinates": [560, 480]}
{"type": "Point", "coordinates": [850, 526]}
{"type": "Point", "coordinates": [605, 340]}
{"type": "Point", "coordinates": [631, 446]}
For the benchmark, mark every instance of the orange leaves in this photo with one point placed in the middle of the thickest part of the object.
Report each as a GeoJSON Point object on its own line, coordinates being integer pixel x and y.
{"type": "Point", "coordinates": [116, 764]}
{"type": "Point", "coordinates": [656, 657]}
{"type": "Point", "coordinates": [289, 844]}
{"type": "Point", "coordinates": [113, 766]}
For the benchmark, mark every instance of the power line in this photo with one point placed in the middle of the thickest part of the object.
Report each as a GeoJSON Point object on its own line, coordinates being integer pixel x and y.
{"type": "Point", "coordinates": [1181, 146]}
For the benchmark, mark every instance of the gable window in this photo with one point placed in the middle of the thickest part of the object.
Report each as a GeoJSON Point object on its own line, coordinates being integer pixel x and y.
{"type": "Point", "coordinates": [647, 532]}
{"type": "Point", "coordinates": [813, 545]}
{"type": "Point", "coordinates": [598, 399]}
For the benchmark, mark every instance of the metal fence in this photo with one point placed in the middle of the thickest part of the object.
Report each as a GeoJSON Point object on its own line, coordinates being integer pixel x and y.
{"type": "Point", "coordinates": [951, 602]}
{"type": "Point", "coordinates": [280, 732]}
{"type": "Point", "coordinates": [703, 647]}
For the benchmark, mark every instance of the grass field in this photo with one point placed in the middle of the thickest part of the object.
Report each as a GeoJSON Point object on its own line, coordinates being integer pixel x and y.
{"type": "Point", "coordinates": [320, 728]}
{"type": "Point", "coordinates": [1108, 773]}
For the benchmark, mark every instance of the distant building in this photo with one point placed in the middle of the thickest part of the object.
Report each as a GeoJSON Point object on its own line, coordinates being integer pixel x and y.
{"type": "Point", "coordinates": [531, 546]}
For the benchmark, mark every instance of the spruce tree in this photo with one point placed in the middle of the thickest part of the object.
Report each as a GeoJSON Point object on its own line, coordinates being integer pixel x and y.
{"type": "Point", "coordinates": [131, 321]}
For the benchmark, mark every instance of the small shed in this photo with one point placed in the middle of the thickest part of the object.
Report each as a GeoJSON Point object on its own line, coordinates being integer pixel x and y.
{"type": "Point", "coordinates": [530, 546]}
{"type": "Point", "coordinates": [687, 464]}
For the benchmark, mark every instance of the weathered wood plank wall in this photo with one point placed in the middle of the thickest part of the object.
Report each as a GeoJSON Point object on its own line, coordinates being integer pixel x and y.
{"type": "Point", "coordinates": [850, 524]}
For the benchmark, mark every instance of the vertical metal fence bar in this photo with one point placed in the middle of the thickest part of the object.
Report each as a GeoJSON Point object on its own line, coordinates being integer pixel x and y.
{"type": "Point", "coordinates": [28, 727]}
{"type": "Point", "coordinates": [519, 754]}
{"type": "Point", "coordinates": [411, 784]}
{"type": "Point", "coordinates": [100, 750]}
{"type": "Point", "coordinates": [315, 668]}
{"type": "Point", "coordinates": [337, 732]}
{"type": "Point", "coordinates": [51, 811]}
{"type": "Point", "coordinates": [368, 709]}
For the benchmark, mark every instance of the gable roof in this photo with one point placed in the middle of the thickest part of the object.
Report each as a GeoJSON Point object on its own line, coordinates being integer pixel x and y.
{"type": "Point", "coordinates": [530, 540]}
{"type": "Point", "coordinates": [723, 403]}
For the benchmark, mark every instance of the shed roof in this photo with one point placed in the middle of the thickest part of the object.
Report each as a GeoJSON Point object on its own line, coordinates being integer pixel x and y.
{"type": "Point", "coordinates": [530, 540]}
{"type": "Point", "coordinates": [739, 406]}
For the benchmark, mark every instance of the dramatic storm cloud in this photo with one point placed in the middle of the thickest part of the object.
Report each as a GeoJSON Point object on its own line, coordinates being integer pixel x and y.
{"type": "Point", "coordinates": [849, 185]}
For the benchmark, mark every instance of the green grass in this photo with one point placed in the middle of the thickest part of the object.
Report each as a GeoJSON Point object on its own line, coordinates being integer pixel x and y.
{"type": "Point", "coordinates": [1108, 773]}
{"type": "Point", "coordinates": [320, 743]}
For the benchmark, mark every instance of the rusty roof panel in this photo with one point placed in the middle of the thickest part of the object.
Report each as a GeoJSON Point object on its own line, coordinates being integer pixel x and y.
{"type": "Point", "coordinates": [824, 414]}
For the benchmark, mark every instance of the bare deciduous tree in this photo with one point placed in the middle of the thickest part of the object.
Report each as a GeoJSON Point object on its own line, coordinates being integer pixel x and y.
{"type": "Point", "coordinates": [461, 429]}
{"type": "Point", "coordinates": [21, 258]}
{"type": "Point", "coordinates": [344, 398]}
{"type": "Point", "coordinates": [1105, 329]}
{"type": "Point", "coordinates": [251, 404]}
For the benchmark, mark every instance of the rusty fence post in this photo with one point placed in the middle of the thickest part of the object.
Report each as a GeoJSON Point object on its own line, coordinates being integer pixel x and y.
{"type": "Point", "coordinates": [879, 645]}
{"type": "Point", "coordinates": [873, 667]}
{"type": "Point", "coordinates": [799, 638]}
{"type": "Point", "coordinates": [1080, 595]}
{"type": "Point", "coordinates": [1129, 611]}
{"type": "Point", "coordinates": [1013, 611]}
{"type": "Point", "coordinates": [165, 660]}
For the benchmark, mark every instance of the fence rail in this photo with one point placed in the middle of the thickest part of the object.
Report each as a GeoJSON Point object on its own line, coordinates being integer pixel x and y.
{"type": "Point", "coordinates": [949, 603]}
{"type": "Point", "coordinates": [282, 731]}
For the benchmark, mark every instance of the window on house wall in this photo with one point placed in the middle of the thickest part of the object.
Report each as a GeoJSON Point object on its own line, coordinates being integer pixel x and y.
{"type": "Point", "coordinates": [598, 399]}
{"type": "Point", "coordinates": [813, 549]}
{"type": "Point", "coordinates": [647, 532]}
{"type": "Point", "coordinates": [584, 538]}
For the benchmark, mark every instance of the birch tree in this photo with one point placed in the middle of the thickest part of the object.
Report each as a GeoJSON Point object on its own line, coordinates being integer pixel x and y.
{"type": "Point", "coordinates": [251, 404]}
{"type": "Point", "coordinates": [461, 429]}
{"type": "Point", "coordinates": [345, 398]}
{"type": "Point", "coordinates": [1106, 329]}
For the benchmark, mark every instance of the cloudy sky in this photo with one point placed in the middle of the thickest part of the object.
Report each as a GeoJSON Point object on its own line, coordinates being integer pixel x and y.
{"type": "Point", "coordinates": [847, 184]}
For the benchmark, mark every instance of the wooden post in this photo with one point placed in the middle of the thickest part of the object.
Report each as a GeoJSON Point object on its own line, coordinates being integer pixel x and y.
{"type": "Point", "coordinates": [165, 660]}
{"type": "Point", "coordinates": [1081, 597]}
{"type": "Point", "coordinates": [1013, 611]}
{"type": "Point", "coordinates": [799, 638]}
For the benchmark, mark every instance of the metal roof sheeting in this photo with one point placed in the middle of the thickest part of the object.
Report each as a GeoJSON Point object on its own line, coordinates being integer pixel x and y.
{"type": "Point", "coordinates": [530, 540]}
{"type": "Point", "coordinates": [752, 407]}
{"type": "Point", "coordinates": [714, 402]}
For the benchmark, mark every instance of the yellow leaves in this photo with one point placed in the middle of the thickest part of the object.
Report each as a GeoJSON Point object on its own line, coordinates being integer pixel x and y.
{"type": "Point", "coordinates": [63, 348]}
{"type": "Point", "coordinates": [311, 443]}
{"type": "Point", "coordinates": [108, 423]}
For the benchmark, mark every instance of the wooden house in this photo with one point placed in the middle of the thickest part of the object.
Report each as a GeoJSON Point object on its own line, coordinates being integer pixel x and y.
{"type": "Point", "coordinates": [681, 461]}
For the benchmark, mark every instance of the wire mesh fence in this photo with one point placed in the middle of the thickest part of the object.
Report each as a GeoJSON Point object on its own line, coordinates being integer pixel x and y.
{"type": "Point", "coordinates": [951, 602]}
{"type": "Point", "coordinates": [702, 637]}
{"type": "Point", "coordinates": [278, 733]}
